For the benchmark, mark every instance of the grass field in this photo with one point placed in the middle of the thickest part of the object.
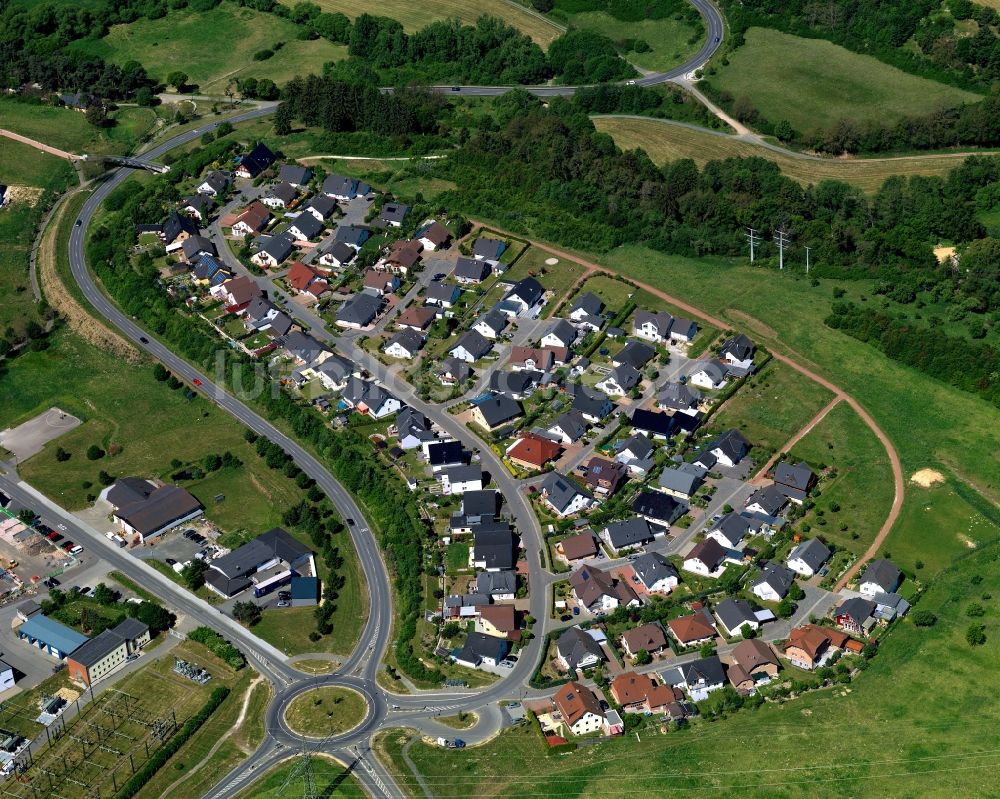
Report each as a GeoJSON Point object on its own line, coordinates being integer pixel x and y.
{"type": "Point", "coordinates": [69, 130]}
{"type": "Point", "coordinates": [773, 406]}
{"type": "Point", "coordinates": [927, 697]}
{"type": "Point", "coordinates": [931, 424]}
{"type": "Point", "coordinates": [201, 45]}
{"type": "Point", "coordinates": [414, 16]}
{"type": "Point", "coordinates": [330, 780]}
{"type": "Point", "coordinates": [664, 141]}
{"type": "Point", "coordinates": [615, 293]}
{"type": "Point", "coordinates": [863, 485]}
{"type": "Point", "coordinates": [670, 40]}
{"type": "Point", "coordinates": [813, 83]}
{"type": "Point", "coordinates": [554, 277]}
{"type": "Point", "coordinates": [325, 711]}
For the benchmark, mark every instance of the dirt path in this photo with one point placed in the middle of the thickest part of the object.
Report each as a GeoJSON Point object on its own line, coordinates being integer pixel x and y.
{"type": "Point", "coordinates": [839, 395]}
{"type": "Point", "coordinates": [819, 417]}
{"type": "Point", "coordinates": [168, 791]}
{"type": "Point", "coordinates": [45, 148]}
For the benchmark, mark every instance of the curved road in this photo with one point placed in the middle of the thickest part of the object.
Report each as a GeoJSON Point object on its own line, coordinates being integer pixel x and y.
{"type": "Point", "coordinates": [359, 670]}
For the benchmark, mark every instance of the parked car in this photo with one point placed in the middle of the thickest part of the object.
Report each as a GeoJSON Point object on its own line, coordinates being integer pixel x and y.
{"type": "Point", "coordinates": [171, 561]}
{"type": "Point", "coordinates": [576, 611]}
{"type": "Point", "coordinates": [284, 603]}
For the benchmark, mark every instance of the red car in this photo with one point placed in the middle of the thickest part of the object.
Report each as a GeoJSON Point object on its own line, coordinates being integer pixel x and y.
{"type": "Point", "coordinates": [68, 545]}
{"type": "Point", "coordinates": [197, 382]}
{"type": "Point", "coordinates": [53, 536]}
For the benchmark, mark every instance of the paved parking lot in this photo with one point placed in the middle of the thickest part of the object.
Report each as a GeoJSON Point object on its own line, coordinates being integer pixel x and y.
{"type": "Point", "coordinates": [171, 545]}
{"type": "Point", "coordinates": [29, 438]}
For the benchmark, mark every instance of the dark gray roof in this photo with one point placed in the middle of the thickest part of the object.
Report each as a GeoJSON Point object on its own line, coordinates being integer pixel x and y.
{"type": "Point", "coordinates": [340, 186]}
{"type": "Point", "coordinates": [640, 446]}
{"type": "Point", "coordinates": [342, 252]}
{"type": "Point", "coordinates": [733, 526]}
{"type": "Point", "coordinates": [352, 234]}
{"type": "Point", "coordinates": [589, 303]}
{"type": "Point", "coordinates": [195, 245]}
{"type": "Point", "coordinates": [708, 670]}
{"type": "Point", "coordinates": [203, 203]}
{"type": "Point", "coordinates": [278, 247]}
{"type": "Point", "coordinates": [495, 321]}
{"type": "Point", "coordinates": [496, 547]}
{"type": "Point", "coordinates": [661, 320]}
{"type": "Point", "coordinates": [629, 533]}
{"type": "Point", "coordinates": [528, 290]}
{"type": "Point", "coordinates": [408, 339]}
{"type": "Point", "coordinates": [164, 505]}
{"type": "Point", "coordinates": [514, 383]}
{"type": "Point", "coordinates": [479, 646]}
{"type": "Point", "coordinates": [441, 453]}
{"type": "Point", "coordinates": [308, 225]}
{"type": "Point", "coordinates": [177, 224]}
{"type": "Point", "coordinates": [626, 376]}
{"type": "Point", "coordinates": [678, 396]}
{"type": "Point", "coordinates": [323, 204]}
{"type": "Point", "coordinates": [684, 478]}
{"type": "Point", "coordinates": [770, 499]}
{"type": "Point", "coordinates": [275, 543]}
{"type": "Point", "coordinates": [218, 181]}
{"type": "Point", "coordinates": [360, 309]}
{"type": "Point", "coordinates": [475, 343]}
{"type": "Point", "coordinates": [574, 645]}
{"type": "Point", "coordinates": [655, 422]}
{"type": "Point", "coordinates": [302, 346]}
{"type": "Point", "coordinates": [659, 506]}
{"type": "Point", "coordinates": [479, 504]}
{"type": "Point", "coordinates": [499, 409]}
{"type": "Point", "coordinates": [293, 173]}
{"type": "Point", "coordinates": [100, 646]}
{"type": "Point", "coordinates": [777, 576]}
{"type": "Point", "coordinates": [503, 582]}
{"type": "Point", "coordinates": [734, 613]}
{"type": "Point", "coordinates": [442, 292]}
{"type": "Point", "coordinates": [590, 402]}
{"type": "Point", "coordinates": [471, 269]}
{"type": "Point", "coordinates": [652, 567]}
{"type": "Point", "coordinates": [883, 573]}
{"type": "Point", "coordinates": [813, 552]}
{"type": "Point", "coordinates": [739, 347]}
{"type": "Point", "coordinates": [732, 443]}
{"type": "Point", "coordinates": [564, 331]}
{"type": "Point", "coordinates": [257, 160]}
{"type": "Point", "coordinates": [635, 354]}
{"type": "Point", "coordinates": [490, 249]}
{"type": "Point", "coordinates": [857, 608]}
{"type": "Point", "coordinates": [572, 424]}
{"type": "Point", "coordinates": [394, 212]}
{"type": "Point", "coordinates": [284, 192]}
{"type": "Point", "coordinates": [127, 490]}
{"type": "Point", "coordinates": [560, 490]}
{"type": "Point", "coordinates": [464, 473]}
{"type": "Point", "coordinates": [797, 476]}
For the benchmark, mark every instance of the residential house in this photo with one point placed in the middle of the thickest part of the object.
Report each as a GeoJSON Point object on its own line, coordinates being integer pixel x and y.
{"type": "Point", "coordinates": [374, 401]}
{"type": "Point", "coordinates": [525, 298]}
{"type": "Point", "coordinates": [443, 454]}
{"type": "Point", "coordinates": [683, 331]}
{"type": "Point", "coordinates": [728, 449]}
{"type": "Point", "coordinates": [499, 621]}
{"type": "Point", "coordinates": [627, 535]}
{"type": "Point", "coordinates": [735, 615]}
{"type": "Point", "coordinates": [442, 295]}
{"type": "Point", "coordinates": [541, 360]}
{"type": "Point", "coordinates": [635, 354]}
{"type": "Point", "coordinates": [336, 254]}
{"type": "Point", "coordinates": [636, 453]}
{"type": "Point", "coordinates": [652, 326]}
{"type": "Point", "coordinates": [693, 630]}
{"type": "Point", "coordinates": [579, 708]}
{"type": "Point", "coordinates": [300, 276]}
{"type": "Point", "coordinates": [480, 649]}
{"type": "Point", "coordinates": [681, 481]}
{"type": "Point", "coordinates": [392, 215]}
{"type": "Point", "coordinates": [494, 549]}
{"type": "Point", "coordinates": [657, 509]}
{"type": "Point", "coordinates": [237, 293]}
{"type": "Point", "coordinates": [638, 693]}
{"type": "Point", "coordinates": [198, 206]}
{"type": "Point", "coordinates": [214, 184]}
{"type": "Point", "coordinates": [303, 348]}
{"type": "Point", "coordinates": [499, 586]}
{"type": "Point", "coordinates": [808, 557]}
{"type": "Point", "coordinates": [354, 236]}
{"type": "Point", "coordinates": [469, 271]}
{"type": "Point", "coordinates": [578, 547]}
{"type": "Point", "coordinates": [620, 380]}
{"type": "Point", "coordinates": [321, 207]}
{"type": "Point", "coordinates": [605, 477]}
{"type": "Point", "coordinates": [306, 227]}
{"type": "Point", "coordinates": [594, 407]}
{"type": "Point", "coordinates": [561, 334]}
{"type": "Point", "coordinates": [881, 577]}
{"type": "Point", "coordinates": [359, 311]}
{"type": "Point", "coordinates": [767, 500]}
{"type": "Point", "coordinates": [176, 230]}
{"type": "Point", "coordinates": [656, 573]}
{"type": "Point", "coordinates": [577, 649]}
{"type": "Point", "coordinates": [655, 424]}
{"type": "Point", "coordinates": [889, 606]}
{"type": "Point", "coordinates": [707, 558]}
{"type": "Point", "coordinates": [708, 374]}
{"type": "Point", "coordinates": [699, 678]}
{"type": "Point", "coordinates": [413, 428]}
{"type": "Point", "coordinates": [586, 307]}
{"type": "Point", "coordinates": [334, 372]}
{"type": "Point", "coordinates": [381, 283]}
{"type": "Point", "coordinates": [252, 220]}
{"type": "Point", "coordinates": [562, 495]}
{"type": "Point", "coordinates": [730, 530]}
{"type": "Point", "coordinates": [496, 412]}
{"type": "Point", "coordinates": [340, 188]}
{"type": "Point", "coordinates": [209, 271]}
{"type": "Point", "coordinates": [432, 235]}
{"type": "Point", "coordinates": [453, 372]}
{"type": "Point", "coordinates": [516, 385]}
{"type": "Point", "coordinates": [773, 583]}
{"type": "Point", "coordinates": [679, 398]}
{"type": "Point", "coordinates": [811, 646]}
{"type": "Point", "coordinates": [795, 481]}
{"type": "Point", "coordinates": [196, 246]}
{"type": "Point", "coordinates": [491, 324]}
{"type": "Point", "coordinates": [855, 615]}
{"type": "Point", "coordinates": [488, 249]}
{"type": "Point", "coordinates": [280, 195]}
{"type": "Point", "coordinates": [754, 664]}
{"type": "Point", "coordinates": [649, 637]}
{"type": "Point", "coordinates": [273, 251]}
{"type": "Point", "coordinates": [532, 451]}
{"type": "Point", "coordinates": [295, 175]}
{"type": "Point", "coordinates": [255, 162]}
{"type": "Point", "coordinates": [405, 344]}
{"type": "Point", "coordinates": [569, 427]}
{"type": "Point", "coordinates": [415, 317]}
{"type": "Point", "coordinates": [738, 352]}
{"type": "Point", "coordinates": [471, 346]}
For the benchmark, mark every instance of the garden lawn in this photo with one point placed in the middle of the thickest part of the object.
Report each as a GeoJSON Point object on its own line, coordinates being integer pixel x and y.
{"type": "Point", "coordinates": [69, 130]}
{"type": "Point", "coordinates": [330, 779]}
{"type": "Point", "coordinates": [414, 16]}
{"type": "Point", "coordinates": [201, 44]}
{"type": "Point", "coordinates": [664, 141]}
{"type": "Point", "coordinates": [863, 486]}
{"type": "Point", "coordinates": [813, 83]}
{"type": "Point", "coordinates": [615, 293]}
{"type": "Point", "coordinates": [325, 711]}
{"type": "Point", "coordinates": [927, 695]}
{"type": "Point", "coordinates": [557, 278]}
{"type": "Point", "coordinates": [772, 406]}
{"type": "Point", "coordinates": [671, 41]}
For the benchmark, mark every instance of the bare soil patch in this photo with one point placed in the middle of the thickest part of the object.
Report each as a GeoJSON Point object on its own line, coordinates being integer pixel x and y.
{"type": "Point", "coordinates": [926, 478]}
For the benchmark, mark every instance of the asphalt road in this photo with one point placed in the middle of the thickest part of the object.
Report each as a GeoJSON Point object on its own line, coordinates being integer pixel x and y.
{"type": "Point", "coordinates": [359, 670]}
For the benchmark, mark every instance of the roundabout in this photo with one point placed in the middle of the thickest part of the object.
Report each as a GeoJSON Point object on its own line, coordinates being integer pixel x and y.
{"type": "Point", "coordinates": [325, 711]}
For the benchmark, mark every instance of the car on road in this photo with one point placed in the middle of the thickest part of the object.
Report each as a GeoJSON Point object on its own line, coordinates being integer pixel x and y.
{"type": "Point", "coordinates": [439, 276]}
{"type": "Point", "coordinates": [717, 39]}
{"type": "Point", "coordinates": [350, 522]}
{"type": "Point", "coordinates": [79, 222]}
{"type": "Point", "coordinates": [133, 656]}
{"type": "Point", "coordinates": [76, 549]}
{"type": "Point", "coordinates": [456, 88]}
{"type": "Point", "coordinates": [144, 340]}
{"type": "Point", "coordinates": [197, 382]}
